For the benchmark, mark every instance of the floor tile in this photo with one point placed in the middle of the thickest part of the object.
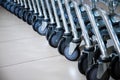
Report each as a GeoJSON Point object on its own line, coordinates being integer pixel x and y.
{"type": "Point", "coordinates": [20, 51]}
{"type": "Point", "coordinates": [56, 68]}
{"type": "Point", "coordinates": [16, 32]}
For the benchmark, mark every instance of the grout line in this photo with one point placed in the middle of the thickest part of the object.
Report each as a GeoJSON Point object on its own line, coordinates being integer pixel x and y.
{"type": "Point", "coordinates": [29, 61]}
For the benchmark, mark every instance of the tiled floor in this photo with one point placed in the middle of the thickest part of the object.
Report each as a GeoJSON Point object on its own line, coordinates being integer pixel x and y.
{"type": "Point", "coordinates": [25, 55]}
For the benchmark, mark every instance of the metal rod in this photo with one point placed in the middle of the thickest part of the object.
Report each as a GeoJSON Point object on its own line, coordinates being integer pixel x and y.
{"type": "Point", "coordinates": [97, 32]}
{"type": "Point", "coordinates": [25, 3]}
{"type": "Point", "coordinates": [73, 26]}
{"type": "Point", "coordinates": [63, 17]}
{"type": "Point", "coordinates": [34, 6]}
{"type": "Point", "coordinates": [21, 3]}
{"type": "Point", "coordinates": [39, 7]}
{"type": "Point", "coordinates": [82, 25]}
{"type": "Point", "coordinates": [44, 10]}
{"type": "Point", "coordinates": [111, 31]}
{"type": "Point", "coordinates": [30, 6]}
{"type": "Point", "coordinates": [55, 14]}
{"type": "Point", "coordinates": [50, 12]}
{"type": "Point", "coordinates": [18, 1]}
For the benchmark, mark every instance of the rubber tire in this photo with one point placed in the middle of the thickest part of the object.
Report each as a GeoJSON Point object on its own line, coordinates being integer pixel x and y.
{"type": "Point", "coordinates": [82, 64]}
{"type": "Point", "coordinates": [29, 18]}
{"type": "Point", "coordinates": [37, 24]}
{"type": "Point", "coordinates": [9, 6]}
{"type": "Point", "coordinates": [75, 55]}
{"type": "Point", "coordinates": [20, 13]}
{"type": "Point", "coordinates": [115, 70]}
{"type": "Point", "coordinates": [49, 31]}
{"type": "Point", "coordinates": [55, 38]}
{"type": "Point", "coordinates": [5, 4]}
{"type": "Point", "coordinates": [16, 10]}
{"type": "Point", "coordinates": [92, 73]}
{"type": "Point", "coordinates": [12, 9]}
{"type": "Point", "coordinates": [61, 46]}
{"type": "Point", "coordinates": [25, 13]}
{"type": "Point", "coordinates": [40, 31]}
{"type": "Point", "coordinates": [63, 43]}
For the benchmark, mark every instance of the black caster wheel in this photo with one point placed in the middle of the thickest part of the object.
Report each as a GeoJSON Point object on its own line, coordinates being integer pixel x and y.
{"type": "Point", "coordinates": [12, 9]}
{"type": "Point", "coordinates": [92, 73]}
{"type": "Point", "coordinates": [50, 31]}
{"type": "Point", "coordinates": [42, 31]}
{"type": "Point", "coordinates": [74, 56]}
{"type": "Point", "coordinates": [25, 13]}
{"type": "Point", "coordinates": [61, 46]}
{"type": "Point", "coordinates": [9, 6]}
{"type": "Point", "coordinates": [37, 24]}
{"type": "Point", "coordinates": [55, 38]}
{"type": "Point", "coordinates": [5, 4]}
{"type": "Point", "coordinates": [63, 43]}
{"type": "Point", "coordinates": [115, 69]}
{"type": "Point", "coordinates": [20, 13]}
{"type": "Point", "coordinates": [16, 11]}
{"type": "Point", "coordinates": [83, 64]}
{"type": "Point", "coordinates": [30, 18]}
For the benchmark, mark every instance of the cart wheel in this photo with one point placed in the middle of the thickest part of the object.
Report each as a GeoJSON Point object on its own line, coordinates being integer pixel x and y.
{"type": "Point", "coordinates": [82, 64]}
{"type": "Point", "coordinates": [16, 10]}
{"type": "Point", "coordinates": [41, 31]}
{"type": "Point", "coordinates": [29, 18]}
{"type": "Point", "coordinates": [37, 24]}
{"type": "Point", "coordinates": [25, 13]}
{"type": "Point", "coordinates": [20, 13]}
{"type": "Point", "coordinates": [12, 9]}
{"type": "Point", "coordinates": [75, 55]}
{"type": "Point", "coordinates": [115, 70]}
{"type": "Point", "coordinates": [92, 73]}
{"type": "Point", "coordinates": [61, 46]}
{"type": "Point", "coordinates": [49, 31]}
{"type": "Point", "coordinates": [5, 4]}
{"type": "Point", "coordinates": [8, 6]}
{"type": "Point", "coordinates": [63, 43]}
{"type": "Point", "coordinates": [55, 38]}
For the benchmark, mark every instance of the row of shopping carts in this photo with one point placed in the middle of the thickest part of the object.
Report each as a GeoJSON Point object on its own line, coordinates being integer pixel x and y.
{"type": "Point", "coordinates": [87, 33]}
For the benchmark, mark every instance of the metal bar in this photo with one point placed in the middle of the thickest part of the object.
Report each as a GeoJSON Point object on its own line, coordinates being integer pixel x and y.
{"type": "Point", "coordinates": [55, 14]}
{"type": "Point", "coordinates": [39, 7]}
{"type": "Point", "coordinates": [63, 17]}
{"type": "Point", "coordinates": [97, 32]}
{"type": "Point", "coordinates": [73, 26]}
{"type": "Point", "coordinates": [44, 10]}
{"type": "Point", "coordinates": [34, 6]}
{"type": "Point", "coordinates": [110, 29]}
{"type": "Point", "coordinates": [50, 12]}
{"type": "Point", "coordinates": [82, 25]}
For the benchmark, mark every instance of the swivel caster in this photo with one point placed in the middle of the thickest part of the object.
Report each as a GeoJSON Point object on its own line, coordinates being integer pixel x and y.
{"type": "Point", "coordinates": [115, 69]}
{"type": "Point", "coordinates": [20, 13]}
{"type": "Point", "coordinates": [83, 63]}
{"type": "Point", "coordinates": [16, 10]}
{"type": "Point", "coordinates": [92, 73]}
{"type": "Point", "coordinates": [9, 6]}
{"type": "Point", "coordinates": [55, 38]}
{"type": "Point", "coordinates": [25, 13]}
{"type": "Point", "coordinates": [43, 28]}
{"type": "Point", "coordinates": [31, 18]}
{"type": "Point", "coordinates": [63, 43]}
{"type": "Point", "coordinates": [74, 56]}
{"type": "Point", "coordinates": [5, 4]}
{"type": "Point", "coordinates": [50, 30]}
{"type": "Point", "coordinates": [12, 9]}
{"type": "Point", "coordinates": [37, 24]}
